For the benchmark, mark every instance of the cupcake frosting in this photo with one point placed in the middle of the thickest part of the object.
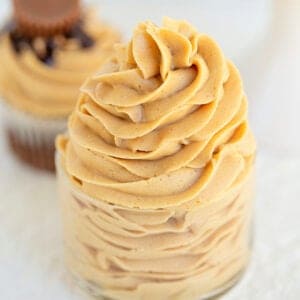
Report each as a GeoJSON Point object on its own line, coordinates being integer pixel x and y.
{"type": "Point", "coordinates": [164, 123]}
{"type": "Point", "coordinates": [48, 88]}
{"type": "Point", "coordinates": [160, 156]}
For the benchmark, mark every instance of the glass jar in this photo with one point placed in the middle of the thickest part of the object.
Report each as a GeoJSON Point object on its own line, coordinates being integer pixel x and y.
{"type": "Point", "coordinates": [185, 252]}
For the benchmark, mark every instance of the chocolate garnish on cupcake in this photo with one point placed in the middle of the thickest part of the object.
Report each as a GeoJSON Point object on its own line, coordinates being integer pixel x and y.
{"type": "Point", "coordinates": [39, 23]}
{"type": "Point", "coordinates": [47, 50]}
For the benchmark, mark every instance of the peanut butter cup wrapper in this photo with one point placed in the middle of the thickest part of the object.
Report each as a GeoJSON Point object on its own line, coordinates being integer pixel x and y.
{"type": "Point", "coordinates": [30, 138]}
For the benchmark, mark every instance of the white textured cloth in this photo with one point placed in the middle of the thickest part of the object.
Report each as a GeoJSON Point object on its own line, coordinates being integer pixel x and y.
{"type": "Point", "coordinates": [264, 40]}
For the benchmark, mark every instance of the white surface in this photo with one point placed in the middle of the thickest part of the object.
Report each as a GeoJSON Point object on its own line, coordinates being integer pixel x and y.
{"type": "Point", "coordinates": [265, 43]}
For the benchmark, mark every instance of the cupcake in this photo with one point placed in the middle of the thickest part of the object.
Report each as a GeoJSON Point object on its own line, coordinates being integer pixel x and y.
{"type": "Point", "coordinates": [156, 171]}
{"type": "Point", "coordinates": [47, 51]}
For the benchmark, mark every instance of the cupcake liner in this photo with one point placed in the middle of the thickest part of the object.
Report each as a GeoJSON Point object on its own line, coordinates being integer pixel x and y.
{"type": "Point", "coordinates": [31, 138]}
{"type": "Point", "coordinates": [89, 261]}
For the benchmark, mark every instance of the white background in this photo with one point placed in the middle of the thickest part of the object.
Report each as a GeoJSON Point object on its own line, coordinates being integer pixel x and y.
{"type": "Point", "coordinates": [263, 39]}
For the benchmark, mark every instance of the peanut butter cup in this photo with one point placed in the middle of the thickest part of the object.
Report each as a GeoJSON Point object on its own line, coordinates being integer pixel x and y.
{"type": "Point", "coordinates": [46, 18]}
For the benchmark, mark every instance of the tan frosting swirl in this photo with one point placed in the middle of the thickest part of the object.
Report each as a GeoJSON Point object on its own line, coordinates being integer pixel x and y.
{"type": "Point", "coordinates": [51, 91]}
{"type": "Point", "coordinates": [161, 155]}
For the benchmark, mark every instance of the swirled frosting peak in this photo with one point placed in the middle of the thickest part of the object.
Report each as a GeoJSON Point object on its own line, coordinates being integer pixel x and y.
{"type": "Point", "coordinates": [163, 124]}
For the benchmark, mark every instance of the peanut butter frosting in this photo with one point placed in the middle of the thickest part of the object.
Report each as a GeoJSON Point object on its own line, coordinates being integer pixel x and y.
{"type": "Point", "coordinates": [159, 159]}
{"type": "Point", "coordinates": [50, 90]}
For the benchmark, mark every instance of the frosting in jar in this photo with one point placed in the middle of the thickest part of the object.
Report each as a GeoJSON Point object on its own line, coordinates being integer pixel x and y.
{"type": "Point", "coordinates": [49, 90]}
{"type": "Point", "coordinates": [159, 157]}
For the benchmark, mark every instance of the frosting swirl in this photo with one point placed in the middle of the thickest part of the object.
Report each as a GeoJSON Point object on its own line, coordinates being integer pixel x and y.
{"type": "Point", "coordinates": [50, 91]}
{"type": "Point", "coordinates": [160, 157]}
{"type": "Point", "coordinates": [164, 123]}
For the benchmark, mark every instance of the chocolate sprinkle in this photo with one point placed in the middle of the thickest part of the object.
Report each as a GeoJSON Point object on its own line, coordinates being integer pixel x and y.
{"type": "Point", "coordinates": [48, 60]}
{"type": "Point", "coordinates": [48, 57]}
{"type": "Point", "coordinates": [19, 41]}
{"type": "Point", "coordinates": [74, 31]}
{"type": "Point", "coordinates": [78, 33]}
{"type": "Point", "coordinates": [86, 41]}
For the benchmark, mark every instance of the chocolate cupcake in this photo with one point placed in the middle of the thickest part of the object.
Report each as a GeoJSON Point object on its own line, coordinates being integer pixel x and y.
{"type": "Point", "coordinates": [47, 50]}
